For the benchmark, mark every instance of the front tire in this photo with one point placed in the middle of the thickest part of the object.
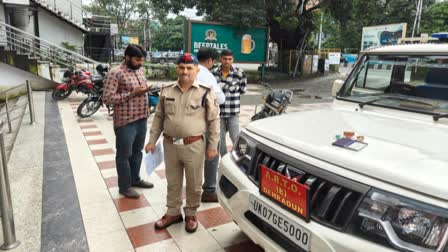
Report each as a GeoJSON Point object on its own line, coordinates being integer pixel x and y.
{"type": "Point", "coordinates": [60, 94]}
{"type": "Point", "coordinates": [88, 107]}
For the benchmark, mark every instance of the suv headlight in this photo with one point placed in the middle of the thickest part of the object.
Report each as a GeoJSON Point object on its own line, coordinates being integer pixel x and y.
{"type": "Point", "coordinates": [404, 223]}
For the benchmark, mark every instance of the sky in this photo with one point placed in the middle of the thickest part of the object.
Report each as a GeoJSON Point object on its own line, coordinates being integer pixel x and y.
{"type": "Point", "coordinates": [189, 13]}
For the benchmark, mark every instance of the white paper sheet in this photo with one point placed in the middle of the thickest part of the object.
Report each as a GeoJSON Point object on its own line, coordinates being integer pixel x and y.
{"type": "Point", "coordinates": [153, 160]}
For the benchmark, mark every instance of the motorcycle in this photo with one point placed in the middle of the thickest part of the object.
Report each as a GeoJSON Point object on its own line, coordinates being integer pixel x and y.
{"type": "Point", "coordinates": [78, 81]}
{"type": "Point", "coordinates": [275, 103]}
{"type": "Point", "coordinates": [94, 102]}
{"type": "Point", "coordinates": [153, 98]}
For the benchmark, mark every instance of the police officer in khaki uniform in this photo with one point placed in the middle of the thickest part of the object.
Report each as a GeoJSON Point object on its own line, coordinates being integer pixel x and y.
{"type": "Point", "coordinates": [185, 111]}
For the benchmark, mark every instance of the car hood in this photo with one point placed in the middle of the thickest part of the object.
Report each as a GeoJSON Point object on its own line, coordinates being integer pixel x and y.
{"type": "Point", "coordinates": [404, 152]}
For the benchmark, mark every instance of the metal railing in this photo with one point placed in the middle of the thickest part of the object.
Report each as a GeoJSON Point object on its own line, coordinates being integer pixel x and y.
{"type": "Point", "coordinates": [96, 23]}
{"type": "Point", "coordinates": [26, 43]}
{"type": "Point", "coordinates": [77, 14]}
{"type": "Point", "coordinates": [66, 9]}
{"type": "Point", "coordinates": [8, 226]}
{"type": "Point", "coordinates": [8, 99]}
{"type": "Point", "coordinates": [7, 212]}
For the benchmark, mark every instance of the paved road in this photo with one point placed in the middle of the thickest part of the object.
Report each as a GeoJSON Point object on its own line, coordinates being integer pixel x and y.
{"type": "Point", "coordinates": [315, 90]}
{"type": "Point", "coordinates": [306, 91]}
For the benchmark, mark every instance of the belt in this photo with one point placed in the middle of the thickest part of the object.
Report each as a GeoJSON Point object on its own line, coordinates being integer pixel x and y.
{"type": "Point", "coordinates": [182, 141]}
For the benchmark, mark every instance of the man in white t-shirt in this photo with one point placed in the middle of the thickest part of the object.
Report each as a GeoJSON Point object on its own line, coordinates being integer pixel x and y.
{"type": "Point", "coordinates": [207, 57]}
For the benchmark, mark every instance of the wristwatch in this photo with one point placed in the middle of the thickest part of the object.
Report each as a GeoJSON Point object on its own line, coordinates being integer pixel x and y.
{"type": "Point", "coordinates": [131, 94]}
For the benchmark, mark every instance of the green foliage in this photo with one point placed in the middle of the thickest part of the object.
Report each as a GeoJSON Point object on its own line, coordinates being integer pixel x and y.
{"type": "Point", "coordinates": [345, 29]}
{"type": "Point", "coordinates": [32, 67]}
{"type": "Point", "coordinates": [435, 18]}
{"type": "Point", "coordinates": [123, 11]}
{"type": "Point", "coordinates": [169, 36]}
{"type": "Point", "coordinates": [290, 22]}
{"type": "Point", "coordinates": [68, 46]}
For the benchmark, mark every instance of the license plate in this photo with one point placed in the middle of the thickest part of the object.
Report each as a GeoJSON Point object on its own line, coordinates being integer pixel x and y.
{"type": "Point", "coordinates": [288, 193]}
{"type": "Point", "coordinates": [293, 231]}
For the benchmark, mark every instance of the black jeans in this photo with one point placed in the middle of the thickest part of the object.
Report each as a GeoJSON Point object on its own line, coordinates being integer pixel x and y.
{"type": "Point", "coordinates": [130, 140]}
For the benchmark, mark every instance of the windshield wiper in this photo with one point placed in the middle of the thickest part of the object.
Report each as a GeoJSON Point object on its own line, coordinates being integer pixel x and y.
{"type": "Point", "coordinates": [437, 117]}
{"type": "Point", "coordinates": [362, 104]}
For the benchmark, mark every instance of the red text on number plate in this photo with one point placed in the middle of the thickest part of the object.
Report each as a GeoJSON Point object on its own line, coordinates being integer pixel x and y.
{"type": "Point", "coordinates": [288, 193]}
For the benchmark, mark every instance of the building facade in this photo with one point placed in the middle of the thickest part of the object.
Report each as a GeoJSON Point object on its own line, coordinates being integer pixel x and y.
{"type": "Point", "coordinates": [56, 21]}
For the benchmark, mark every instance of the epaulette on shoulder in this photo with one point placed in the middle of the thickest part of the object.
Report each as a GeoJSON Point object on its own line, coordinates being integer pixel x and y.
{"type": "Point", "coordinates": [169, 84]}
{"type": "Point", "coordinates": [204, 85]}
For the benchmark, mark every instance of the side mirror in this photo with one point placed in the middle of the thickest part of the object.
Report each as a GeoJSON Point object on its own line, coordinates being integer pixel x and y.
{"type": "Point", "coordinates": [337, 84]}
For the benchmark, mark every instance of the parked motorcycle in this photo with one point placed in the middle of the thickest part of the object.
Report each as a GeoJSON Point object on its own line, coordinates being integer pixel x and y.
{"type": "Point", "coordinates": [153, 98]}
{"type": "Point", "coordinates": [78, 81]}
{"type": "Point", "coordinates": [275, 103]}
{"type": "Point", "coordinates": [94, 102]}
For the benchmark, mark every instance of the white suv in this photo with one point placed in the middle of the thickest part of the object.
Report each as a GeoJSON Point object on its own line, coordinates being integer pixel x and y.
{"type": "Point", "coordinates": [290, 185]}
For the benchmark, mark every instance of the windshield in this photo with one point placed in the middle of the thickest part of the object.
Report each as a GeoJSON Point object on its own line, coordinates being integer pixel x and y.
{"type": "Point", "coordinates": [417, 83]}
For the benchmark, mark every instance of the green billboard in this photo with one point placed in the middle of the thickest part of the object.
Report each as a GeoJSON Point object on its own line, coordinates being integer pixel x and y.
{"type": "Point", "coordinates": [248, 45]}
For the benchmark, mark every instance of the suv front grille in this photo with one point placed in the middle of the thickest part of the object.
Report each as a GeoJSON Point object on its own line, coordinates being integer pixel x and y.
{"type": "Point", "coordinates": [333, 199]}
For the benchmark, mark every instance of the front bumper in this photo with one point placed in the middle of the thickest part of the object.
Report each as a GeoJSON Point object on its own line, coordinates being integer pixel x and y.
{"type": "Point", "coordinates": [322, 239]}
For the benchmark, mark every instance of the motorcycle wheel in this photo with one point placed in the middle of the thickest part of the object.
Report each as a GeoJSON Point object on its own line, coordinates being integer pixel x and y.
{"type": "Point", "coordinates": [88, 107]}
{"type": "Point", "coordinates": [260, 115]}
{"type": "Point", "coordinates": [60, 94]}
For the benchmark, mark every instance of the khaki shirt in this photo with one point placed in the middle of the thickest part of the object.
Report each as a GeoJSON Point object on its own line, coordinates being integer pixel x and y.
{"type": "Point", "coordinates": [186, 114]}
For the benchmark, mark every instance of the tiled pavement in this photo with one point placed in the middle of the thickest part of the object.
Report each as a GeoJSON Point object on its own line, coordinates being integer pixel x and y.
{"type": "Point", "coordinates": [216, 232]}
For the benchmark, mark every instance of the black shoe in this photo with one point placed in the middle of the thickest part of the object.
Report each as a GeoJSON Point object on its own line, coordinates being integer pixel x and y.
{"type": "Point", "coordinates": [143, 184]}
{"type": "Point", "coordinates": [209, 197]}
{"type": "Point", "coordinates": [130, 194]}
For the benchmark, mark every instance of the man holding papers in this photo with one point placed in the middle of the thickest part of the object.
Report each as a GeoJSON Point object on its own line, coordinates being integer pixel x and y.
{"type": "Point", "coordinates": [185, 111]}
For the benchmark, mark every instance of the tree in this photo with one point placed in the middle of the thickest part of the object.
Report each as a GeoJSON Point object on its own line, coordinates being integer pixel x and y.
{"type": "Point", "coordinates": [435, 18]}
{"type": "Point", "coordinates": [289, 22]}
{"type": "Point", "coordinates": [122, 10]}
{"type": "Point", "coordinates": [169, 36]}
{"type": "Point", "coordinates": [346, 30]}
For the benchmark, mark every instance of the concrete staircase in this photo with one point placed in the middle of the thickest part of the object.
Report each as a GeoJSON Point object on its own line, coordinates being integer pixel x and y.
{"type": "Point", "coordinates": [38, 56]}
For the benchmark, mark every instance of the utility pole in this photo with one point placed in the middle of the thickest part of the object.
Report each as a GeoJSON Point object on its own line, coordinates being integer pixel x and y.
{"type": "Point", "coordinates": [417, 19]}
{"type": "Point", "coordinates": [419, 16]}
{"type": "Point", "coordinates": [320, 30]}
{"type": "Point", "coordinates": [144, 35]}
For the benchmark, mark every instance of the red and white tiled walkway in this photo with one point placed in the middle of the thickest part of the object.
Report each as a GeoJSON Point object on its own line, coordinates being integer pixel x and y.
{"type": "Point", "coordinates": [114, 223]}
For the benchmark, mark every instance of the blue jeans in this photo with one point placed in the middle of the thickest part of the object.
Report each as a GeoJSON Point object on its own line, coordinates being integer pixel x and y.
{"type": "Point", "coordinates": [130, 140]}
{"type": "Point", "coordinates": [232, 125]}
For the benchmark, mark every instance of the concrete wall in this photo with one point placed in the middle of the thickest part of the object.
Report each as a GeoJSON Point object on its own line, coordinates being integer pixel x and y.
{"type": "Point", "coordinates": [19, 17]}
{"type": "Point", "coordinates": [57, 31]}
{"type": "Point", "coordinates": [2, 12]}
{"type": "Point", "coordinates": [24, 22]}
{"type": "Point", "coordinates": [2, 19]}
